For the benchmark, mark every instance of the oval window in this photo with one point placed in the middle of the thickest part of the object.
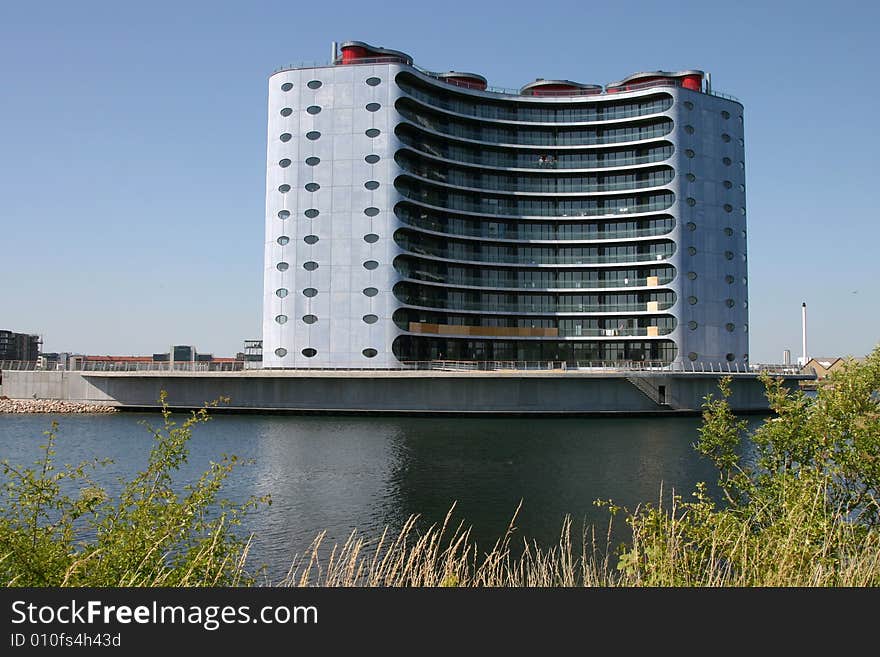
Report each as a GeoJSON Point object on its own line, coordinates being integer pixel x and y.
{"type": "Point", "coordinates": [373, 81]}
{"type": "Point", "coordinates": [730, 327]}
{"type": "Point", "coordinates": [314, 84]}
{"type": "Point", "coordinates": [728, 207]}
{"type": "Point", "coordinates": [312, 161]}
{"type": "Point", "coordinates": [692, 275]}
{"type": "Point", "coordinates": [689, 129]}
{"type": "Point", "coordinates": [371, 212]}
{"type": "Point", "coordinates": [371, 159]}
{"type": "Point", "coordinates": [287, 86]}
{"type": "Point", "coordinates": [692, 301]}
{"type": "Point", "coordinates": [729, 279]}
{"type": "Point", "coordinates": [689, 153]}
{"type": "Point", "coordinates": [688, 105]}
{"type": "Point", "coordinates": [283, 188]}
{"type": "Point", "coordinates": [310, 319]}
{"type": "Point", "coordinates": [308, 352]}
{"type": "Point", "coordinates": [286, 137]}
{"type": "Point", "coordinates": [730, 303]}
{"type": "Point", "coordinates": [372, 132]}
{"type": "Point", "coordinates": [311, 213]}
{"type": "Point", "coordinates": [725, 138]}
{"type": "Point", "coordinates": [311, 265]}
{"type": "Point", "coordinates": [310, 239]}
{"type": "Point", "coordinates": [371, 238]}
{"type": "Point", "coordinates": [281, 352]}
{"type": "Point", "coordinates": [728, 255]}
{"type": "Point", "coordinates": [691, 201]}
{"type": "Point", "coordinates": [310, 292]}
{"type": "Point", "coordinates": [727, 161]}
{"type": "Point", "coordinates": [371, 185]}
{"type": "Point", "coordinates": [284, 163]}
{"type": "Point", "coordinates": [727, 184]}
{"type": "Point", "coordinates": [692, 355]}
{"type": "Point", "coordinates": [286, 111]}
{"type": "Point", "coordinates": [725, 114]}
{"type": "Point", "coordinates": [370, 291]}
{"type": "Point", "coordinates": [691, 226]}
{"type": "Point", "coordinates": [371, 319]}
{"type": "Point", "coordinates": [371, 264]}
{"type": "Point", "coordinates": [692, 250]}
{"type": "Point", "coordinates": [373, 107]}
{"type": "Point", "coordinates": [283, 240]}
{"type": "Point", "coordinates": [728, 231]}
{"type": "Point", "coordinates": [313, 109]}
{"type": "Point", "coordinates": [692, 325]}
{"type": "Point", "coordinates": [281, 292]}
{"type": "Point", "coordinates": [691, 177]}
{"type": "Point", "coordinates": [281, 319]}
{"type": "Point", "coordinates": [284, 214]}
{"type": "Point", "coordinates": [282, 266]}
{"type": "Point", "coordinates": [313, 135]}
{"type": "Point", "coordinates": [369, 353]}
{"type": "Point", "coordinates": [312, 187]}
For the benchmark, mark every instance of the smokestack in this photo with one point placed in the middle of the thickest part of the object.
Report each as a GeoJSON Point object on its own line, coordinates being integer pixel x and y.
{"type": "Point", "coordinates": [804, 332]}
{"type": "Point", "coordinates": [332, 52]}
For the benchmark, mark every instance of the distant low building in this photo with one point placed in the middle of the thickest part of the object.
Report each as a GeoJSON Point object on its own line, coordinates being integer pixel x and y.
{"type": "Point", "coordinates": [823, 366]}
{"type": "Point", "coordinates": [19, 346]}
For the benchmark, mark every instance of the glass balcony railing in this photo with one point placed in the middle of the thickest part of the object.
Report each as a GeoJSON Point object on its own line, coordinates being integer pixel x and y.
{"type": "Point", "coordinates": [537, 137]}
{"type": "Point", "coordinates": [552, 161]}
{"type": "Point", "coordinates": [512, 282]}
{"type": "Point", "coordinates": [549, 308]}
{"type": "Point", "coordinates": [606, 111]}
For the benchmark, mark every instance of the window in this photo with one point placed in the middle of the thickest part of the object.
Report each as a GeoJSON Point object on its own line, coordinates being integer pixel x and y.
{"type": "Point", "coordinates": [281, 319]}
{"type": "Point", "coordinates": [371, 238]}
{"type": "Point", "coordinates": [372, 132]}
{"type": "Point", "coordinates": [311, 213]}
{"type": "Point", "coordinates": [730, 357]}
{"type": "Point", "coordinates": [373, 107]}
{"type": "Point", "coordinates": [284, 163]}
{"type": "Point", "coordinates": [371, 185]}
{"type": "Point", "coordinates": [310, 239]}
{"type": "Point", "coordinates": [730, 327]}
{"type": "Point", "coordinates": [286, 111]}
{"type": "Point", "coordinates": [314, 84]}
{"type": "Point", "coordinates": [728, 231]}
{"type": "Point", "coordinates": [313, 161]}
{"type": "Point", "coordinates": [730, 303]}
{"type": "Point", "coordinates": [371, 159]}
{"type": "Point", "coordinates": [313, 109]}
{"type": "Point", "coordinates": [284, 188]}
{"type": "Point", "coordinates": [688, 105]}
{"type": "Point", "coordinates": [370, 291]}
{"type": "Point", "coordinates": [312, 187]}
{"type": "Point", "coordinates": [725, 114]}
{"type": "Point", "coordinates": [311, 265]}
{"type": "Point", "coordinates": [728, 207]}
{"type": "Point", "coordinates": [310, 319]}
{"type": "Point", "coordinates": [728, 255]}
{"type": "Point", "coordinates": [282, 266]}
{"type": "Point", "coordinates": [370, 319]}
{"type": "Point", "coordinates": [693, 356]}
{"type": "Point", "coordinates": [371, 264]}
{"type": "Point", "coordinates": [692, 301]}
{"type": "Point", "coordinates": [689, 153]}
{"type": "Point", "coordinates": [691, 226]}
{"type": "Point", "coordinates": [286, 136]}
{"type": "Point", "coordinates": [692, 250]}
{"type": "Point", "coordinates": [281, 352]}
{"type": "Point", "coordinates": [729, 279]}
{"type": "Point", "coordinates": [725, 138]}
{"type": "Point", "coordinates": [727, 161]}
{"type": "Point", "coordinates": [284, 214]}
{"type": "Point", "coordinates": [310, 292]}
{"type": "Point", "coordinates": [373, 81]}
{"type": "Point", "coordinates": [313, 135]}
{"type": "Point", "coordinates": [727, 184]}
{"type": "Point", "coordinates": [281, 292]}
{"type": "Point", "coordinates": [370, 353]}
{"type": "Point", "coordinates": [371, 212]}
{"type": "Point", "coordinates": [692, 275]}
{"type": "Point", "coordinates": [691, 177]}
{"type": "Point", "coordinates": [283, 240]}
{"type": "Point", "coordinates": [689, 129]}
{"type": "Point", "coordinates": [287, 86]}
{"type": "Point", "coordinates": [742, 211]}
{"type": "Point", "coordinates": [691, 201]}
{"type": "Point", "coordinates": [692, 325]}
{"type": "Point", "coordinates": [308, 352]}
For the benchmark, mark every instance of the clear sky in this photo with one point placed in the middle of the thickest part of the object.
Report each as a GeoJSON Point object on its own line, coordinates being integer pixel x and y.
{"type": "Point", "coordinates": [132, 147]}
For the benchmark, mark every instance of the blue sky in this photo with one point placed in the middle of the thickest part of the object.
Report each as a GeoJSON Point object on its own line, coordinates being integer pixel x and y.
{"type": "Point", "coordinates": [132, 147]}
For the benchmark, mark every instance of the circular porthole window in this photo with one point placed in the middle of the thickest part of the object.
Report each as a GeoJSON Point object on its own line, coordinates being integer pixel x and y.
{"type": "Point", "coordinates": [373, 107]}
{"type": "Point", "coordinates": [284, 163]}
{"type": "Point", "coordinates": [692, 275]}
{"type": "Point", "coordinates": [371, 212]}
{"type": "Point", "coordinates": [372, 159]}
{"type": "Point", "coordinates": [725, 138]}
{"type": "Point", "coordinates": [281, 352]}
{"type": "Point", "coordinates": [370, 353]}
{"type": "Point", "coordinates": [373, 81]}
{"type": "Point", "coordinates": [310, 292]}
{"type": "Point", "coordinates": [314, 84]}
{"type": "Point", "coordinates": [727, 184]}
{"type": "Point", "coordinates": [730, 327]}
{"type": "Point", "coordinates": [281, 319]}
{"type": "Point", "coordinates": [689, 129]}
{"type": "Point", "coordinates": [730, 357]}
{"type": "Point", "coordinates": [725, 114]}
{"type": "Point", "coordinates": [371, 185]}
{"type": "Point", "coordinates": [688, 105]}
{"type": "Point", "coordinates": [310, 319]}
{"type": "Point", "coordinates": [692, 250]}
{"type": "Point", "coordinates": [287, 86]}
{"type": "Point", "coordinates": [311, 265]}
{"type": "Point", "coordinates": [730, 303]}
{"type": "Point", "coordinates": [689, 153]}
{"type": "Point", "coordinates": [372, 132]}
{"type": "Point", "coordinates": [281, 292]}
{"type": "Point", "coordinates": [370, 319]}
{"type": "Point", "coordinates": [691, 226]}
{"type": "Point", "coordinates": [728, 231]}
{"type": "Point", "coordinates": [283, 188]}
{"type": "Point", "coordinates": [313, 161]}
{"type": "Point", "coordinates": [286, 137]}
{"type": "Point", "coordinates": [308, 352]}
{"type": "Point", "coordinates": [692, 325]}
{"type": "Point", "coordinates": [371, 264]}
{"type": "Point", "coordinates": [691, 177]}
{"type": "Point", "coordinates": [313, 109]}
{"type": "Point", "coordinates": [284, 214]}
{"type": "Point", "coordinates": [728, 255]}
{"type": "Point", "coordinates": [691, 201]}
{"type": "Point", "coordinates": [370, 291]}
{"type": "Point", "coordinates": [313, 135]}
{"type": "Point", "coordinates": [692, 301]}
{"type": "Point", "coordinates": [728, 207]}
{"type": "Point", "coordinates": [310, 239]}
{"type": "Point", "coordinates": [727, 161]}
{"type": "Point", "coordinates": [371, 238]}
{"type": "Point", "coordinates": [312, 187]}
{"type": "Point", "coordinates": [282, 266]}
{"type": "Point", "coordinates": [283, 240]}
{"type": "Point", "coordinates": [286, 111]}
{"type": "Point", "coordinates": [311, 213]}
{"type": "Point", "coordinates": [729, 279]}
{"type": "Point", "coordinates": [693, 356]}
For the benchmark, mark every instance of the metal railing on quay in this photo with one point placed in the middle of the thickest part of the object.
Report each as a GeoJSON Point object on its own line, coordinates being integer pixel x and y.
{"type": "Point", "coordinates": [424, 365]}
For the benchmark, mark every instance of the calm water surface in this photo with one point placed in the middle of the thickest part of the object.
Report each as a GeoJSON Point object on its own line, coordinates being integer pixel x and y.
{"type": "Point", "coordinates": [344, 473]}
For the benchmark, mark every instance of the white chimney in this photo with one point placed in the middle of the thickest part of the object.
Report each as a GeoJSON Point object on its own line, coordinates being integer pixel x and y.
{"type": "Point", "coordinates": [804, 358]}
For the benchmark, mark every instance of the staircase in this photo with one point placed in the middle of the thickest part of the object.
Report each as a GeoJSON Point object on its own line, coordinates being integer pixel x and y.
{"type": "Point", "coordinates": [651, 389]}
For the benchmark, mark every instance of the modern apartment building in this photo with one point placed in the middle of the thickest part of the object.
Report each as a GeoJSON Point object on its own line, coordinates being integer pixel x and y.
{"type": "Point", "coordinates": [414, 215]}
